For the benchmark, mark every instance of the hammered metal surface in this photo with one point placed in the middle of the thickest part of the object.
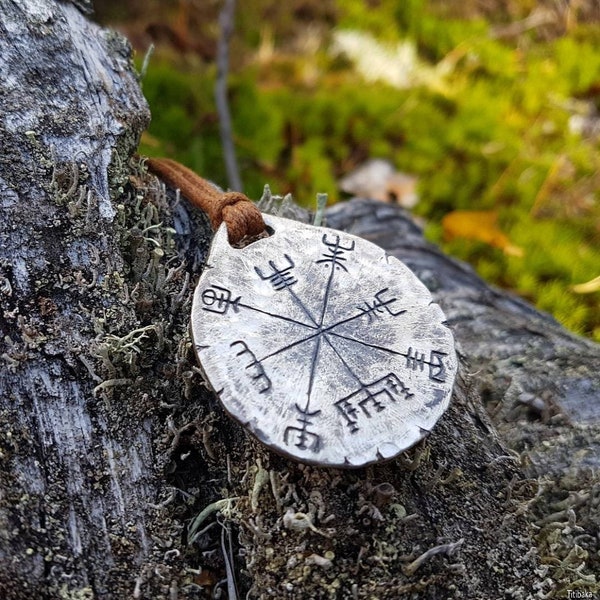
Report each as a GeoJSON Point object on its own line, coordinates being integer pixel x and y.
{"type": "Point", "coordinates": [325, 348]}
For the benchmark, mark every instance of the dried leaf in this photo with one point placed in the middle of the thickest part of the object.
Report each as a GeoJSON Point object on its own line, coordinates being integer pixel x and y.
{"type": "Point", "coordinates": [478, 225]}
{"type": "Point", "coordinates": [377, 179]}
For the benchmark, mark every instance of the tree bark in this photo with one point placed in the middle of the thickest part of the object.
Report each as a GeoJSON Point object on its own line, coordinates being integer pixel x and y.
{"type": "Point", "coordinates": [121, 475]}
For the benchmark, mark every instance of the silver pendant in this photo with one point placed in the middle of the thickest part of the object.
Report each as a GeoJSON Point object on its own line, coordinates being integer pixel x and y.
{"type": "Point", "coordinates": [325, 348]}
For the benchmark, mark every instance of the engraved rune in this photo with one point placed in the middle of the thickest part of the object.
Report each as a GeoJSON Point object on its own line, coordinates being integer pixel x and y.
{"type": "Point", "coordinates": [218, 300]}
{"type": "Point", "coordinates": [397, 387]}
{"type": "Point", "coordinates": [305, 440]}
{"type": "Point", "coordinates": [437, 369]}
{"type": "Point", "coordinates": [335, 252]}
{"type": "Point", "coordinates": [373, 396]}
{"type": "Point", "coordinates": [280, 278]}
{"type": "Point", "coordinates": [256, 371]}
{"type": "Point", "coordinates": [377, 306]}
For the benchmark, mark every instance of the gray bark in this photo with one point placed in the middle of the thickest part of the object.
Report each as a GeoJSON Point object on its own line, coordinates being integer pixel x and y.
{"type": "Point", "coordinates": [120, 474]}
{"type": "Point", "coordinates": [77, 471]}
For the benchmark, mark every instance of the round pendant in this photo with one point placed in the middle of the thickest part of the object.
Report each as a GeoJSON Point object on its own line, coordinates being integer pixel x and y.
{"type": "Point", "coordinates": [328, 350]}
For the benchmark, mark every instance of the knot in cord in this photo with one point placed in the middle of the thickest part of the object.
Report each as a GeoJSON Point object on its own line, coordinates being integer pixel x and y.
{"type": "Point", "coordinates": [242, 218]}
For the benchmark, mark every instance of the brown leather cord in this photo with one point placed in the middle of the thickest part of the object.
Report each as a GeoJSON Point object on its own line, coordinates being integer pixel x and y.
{"type": "Point", "coordinates": [241, 216]}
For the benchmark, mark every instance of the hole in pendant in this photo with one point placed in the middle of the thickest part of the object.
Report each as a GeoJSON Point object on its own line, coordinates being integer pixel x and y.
{"type": "Point", "coordinates": [250, 239]}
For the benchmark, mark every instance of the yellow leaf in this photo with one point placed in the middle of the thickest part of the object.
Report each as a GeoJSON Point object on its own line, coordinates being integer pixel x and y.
{"type": "Point", "coordinates": [480, 225]}
{"type": "Point", "coordinates": [593, 285]}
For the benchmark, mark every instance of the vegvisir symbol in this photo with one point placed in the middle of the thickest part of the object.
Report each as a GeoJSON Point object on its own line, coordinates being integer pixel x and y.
{"type": "Point", "coordinates": [368, 398]}
{"type": "Point", "coordinates": [320, 370]}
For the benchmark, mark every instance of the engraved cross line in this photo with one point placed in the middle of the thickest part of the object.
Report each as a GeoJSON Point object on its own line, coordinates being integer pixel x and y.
{"type": "Point", "coordinates": [303, 420]}
{"type": "Point", "coordinates": [323, 330]}
{"type": "Point", "coordinates": [437, 369]}
{"type": "Point", "coordinates": [363, 386]}
{"type": "Point", "coordinates": [302, 306]}
{"type": "Point", "coordinates": [225, 299]}
{"type": "Point", "coordinates": [289, 319]}
{"type": "Point", "coordinates": [335, 259]}
{"type": "Point", "coordinates": [320, 335]}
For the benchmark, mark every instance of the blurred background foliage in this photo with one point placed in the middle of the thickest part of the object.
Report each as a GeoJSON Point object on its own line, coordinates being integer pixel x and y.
{"type": "Point", "coordinates": [494, 105]}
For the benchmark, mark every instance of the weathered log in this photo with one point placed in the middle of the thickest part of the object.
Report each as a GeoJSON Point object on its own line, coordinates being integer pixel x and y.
{"type": "Point", "coordinates": [121, 475]}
